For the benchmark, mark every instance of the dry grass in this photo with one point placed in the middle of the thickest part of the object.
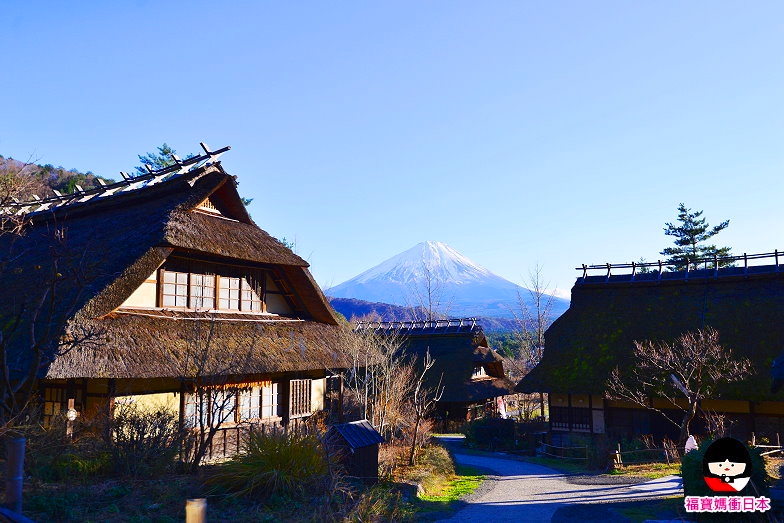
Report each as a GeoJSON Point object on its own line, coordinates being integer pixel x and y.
{"type": "Point", "coordinates": [773, 465]}
{"type": "Point", "coordinates": [433, 470]}
{"type": "Point", "coordinates": [648, 470]}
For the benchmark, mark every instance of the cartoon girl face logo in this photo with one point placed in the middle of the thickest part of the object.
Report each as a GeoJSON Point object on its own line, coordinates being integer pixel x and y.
{"type": "Point", "coordinates": [726, 466]}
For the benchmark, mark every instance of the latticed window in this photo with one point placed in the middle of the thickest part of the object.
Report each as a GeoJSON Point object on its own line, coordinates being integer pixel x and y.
{"type": "Point", "coordinates": [299, 401]}
{"type": "Point", "coordinates": [210, 408]}
{"type": "Point", "coordinates": [229, 293]}
{"type": "Point", "coordinates": [269, 401]}
{"type": "Point", "coordinates": [581, 418]}
{"type": "Point", "coordinates": [175, 289]}
{"type": "Point", "coordinates": [202, 291]}
{"type": "Point", "coordinates": [249, 403]}
{"type": "Point", "coordinates": [479, 371]}
{"type": "Point", "coordinates": [250, 298]}
{"type": "Point", "coordinates": [222, 406]}
{"type": "Point", "coordinates": [54, 398]}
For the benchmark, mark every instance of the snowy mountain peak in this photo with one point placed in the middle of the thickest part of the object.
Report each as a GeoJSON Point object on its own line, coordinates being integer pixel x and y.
{"type": "Point", "coordinates": [466, 288]}
{"type": "Point", "coordinates": [445, 265]}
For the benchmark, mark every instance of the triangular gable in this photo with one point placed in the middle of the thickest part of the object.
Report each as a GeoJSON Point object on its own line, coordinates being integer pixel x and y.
{"type": "Point", "coordinates": [225, 202]}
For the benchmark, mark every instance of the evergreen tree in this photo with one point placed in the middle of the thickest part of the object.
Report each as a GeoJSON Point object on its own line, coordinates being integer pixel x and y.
{"type": "Point", "coordinates": [691, 233]}
{"type": "Point", "coordinates": [156, 160]}
{"type": "Point", "coordinates": [163, 158]}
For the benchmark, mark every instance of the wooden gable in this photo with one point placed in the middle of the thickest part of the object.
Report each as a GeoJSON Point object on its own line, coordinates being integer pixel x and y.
{"type": "Point", "coordinates": [224, 202]}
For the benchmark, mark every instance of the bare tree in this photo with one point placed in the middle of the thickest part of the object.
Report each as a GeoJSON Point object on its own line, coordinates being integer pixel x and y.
{"type": "Point", "coordinates": [37, 324]}
{"type": "Point", "coordinates": [424, 399]}
{"type": "Point", "coordinates": [683, 373]}
{"type": "Point", "coordinates": [427, 298]}
{"type": "Point", "coordinates": [533, 316]}
{"type": "Point", "coordinates": [206, 372]}
{"type": "Point", "coordinates": [380, 380]}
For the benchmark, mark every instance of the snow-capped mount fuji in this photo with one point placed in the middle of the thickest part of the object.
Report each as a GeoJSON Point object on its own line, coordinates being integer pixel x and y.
{"type": "Point", "coordinates": [465, 288]}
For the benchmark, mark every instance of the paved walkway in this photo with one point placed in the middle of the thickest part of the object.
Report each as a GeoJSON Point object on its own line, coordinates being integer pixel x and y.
{"type": "Point", "coordinates": [520, 491]}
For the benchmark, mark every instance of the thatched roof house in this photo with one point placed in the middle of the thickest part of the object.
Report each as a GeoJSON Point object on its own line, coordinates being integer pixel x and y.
{"type": "Point", "coordinates": [470, 373]}
{"type": "Point", "coordinates": [165, 280]}
{"type": "Point", "coordinates": [606, 316]}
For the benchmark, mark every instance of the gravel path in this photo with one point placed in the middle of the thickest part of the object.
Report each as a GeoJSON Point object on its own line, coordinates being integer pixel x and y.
{"type": "Point", "coordinates": [520, 491]}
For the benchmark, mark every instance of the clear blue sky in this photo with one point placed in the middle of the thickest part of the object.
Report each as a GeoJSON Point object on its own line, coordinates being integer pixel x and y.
{"type": "Point", "coordinates": [519, 133]}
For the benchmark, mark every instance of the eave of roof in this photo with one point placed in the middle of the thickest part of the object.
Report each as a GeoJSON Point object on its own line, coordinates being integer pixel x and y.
{"type": "Point", "coordinates": [157, 346]}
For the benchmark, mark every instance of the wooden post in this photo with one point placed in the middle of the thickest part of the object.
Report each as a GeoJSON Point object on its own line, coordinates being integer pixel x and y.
{"type": "Point", "coordinates": [14, 473]}
{"type": "Point", "coordinates": [590, 412]}
{"type": "Point", "coordinates": [111, 392]}
{"type": "Point", "coordinates": [196, 510]}
{"type": "Point", "coordinates": [70, 417]}
{"type": "Point", "coordinates": [340, 400]}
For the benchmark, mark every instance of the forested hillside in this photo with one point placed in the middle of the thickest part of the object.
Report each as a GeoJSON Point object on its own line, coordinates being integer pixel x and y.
{"type": "Point", "coordinates": [42, 179]}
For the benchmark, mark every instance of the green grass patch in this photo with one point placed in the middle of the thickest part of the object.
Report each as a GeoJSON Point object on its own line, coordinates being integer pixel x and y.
{"type": "Point", "coordinates": [461, 484]}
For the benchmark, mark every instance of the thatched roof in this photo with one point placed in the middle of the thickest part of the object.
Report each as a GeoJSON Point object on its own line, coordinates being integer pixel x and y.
{"type": "Point", "coordinates": [606, 317]}
{"type": "Point", "coordinates": [456, 347]}
{"type": "Point", "coordinates": [110, 245]}
{"type": "Point", "coordinates": [150, 344]}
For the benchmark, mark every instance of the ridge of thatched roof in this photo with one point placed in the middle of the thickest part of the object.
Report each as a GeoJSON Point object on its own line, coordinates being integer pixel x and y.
{"type": "Point", "coordinates": [598, 330]}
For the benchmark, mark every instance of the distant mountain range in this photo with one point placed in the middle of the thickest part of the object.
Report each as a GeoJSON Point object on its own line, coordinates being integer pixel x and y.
{"type": "Point", "coordinates": [351, 308]}
{"type": "Point", "coordinates": [463, 287]}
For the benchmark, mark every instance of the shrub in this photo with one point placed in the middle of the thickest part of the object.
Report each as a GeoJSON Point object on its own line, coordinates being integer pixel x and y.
{"type": "Point", "coordinates": [52, 455]}
{"type": "Point", "coordinates": [598, 452]}
{"type": "Point", "coordinates": [143, 442]}
{"type": "Point", "coordinates": [275, 464]}
{"type": "Point", "coordinates": [492, 433]}
{"type": "Point", "coordinates": [382, 502]}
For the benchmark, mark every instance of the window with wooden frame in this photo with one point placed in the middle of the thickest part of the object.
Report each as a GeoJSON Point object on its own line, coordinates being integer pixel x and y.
{"type": "Point", "coordinates": [212, 407]}
{"type": "Point", "coordinates": [269, 401]}
{"type": "Point", "coordinates": [250, 300]}
{"type": "Point", "coordinates": [196, 407]}
{"type": "Point", "coordinates": [174, 292]}
{"type": "Point", "coordinates": [299, 398]}
{"type": "Point", "coordinates": [202, 295]}
{"type": "Point", "coordinates": [479, 371]}
{"type": "Point", "coordinates": [249, 400]}
{"type": "Point", "coordinates": [197, 287]}
{"type": "Point", "coordinates": [229, 293]}
{"type": "Point", "coordinates": [54, 399]}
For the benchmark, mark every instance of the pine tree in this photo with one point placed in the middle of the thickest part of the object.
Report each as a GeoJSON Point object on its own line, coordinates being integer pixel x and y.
{"type": "Point", "coordinates": [163, 158]}
{"type": "Point", "coordinates": [691, 233]}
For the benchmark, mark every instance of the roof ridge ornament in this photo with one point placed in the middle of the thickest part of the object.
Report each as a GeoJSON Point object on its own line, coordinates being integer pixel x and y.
{"type": "Point", "coordinates": [421, 326]}
{"type": "Point", "coordinates": [711, 266]}
{"type": "Point", "coordinates": [127, 184]}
